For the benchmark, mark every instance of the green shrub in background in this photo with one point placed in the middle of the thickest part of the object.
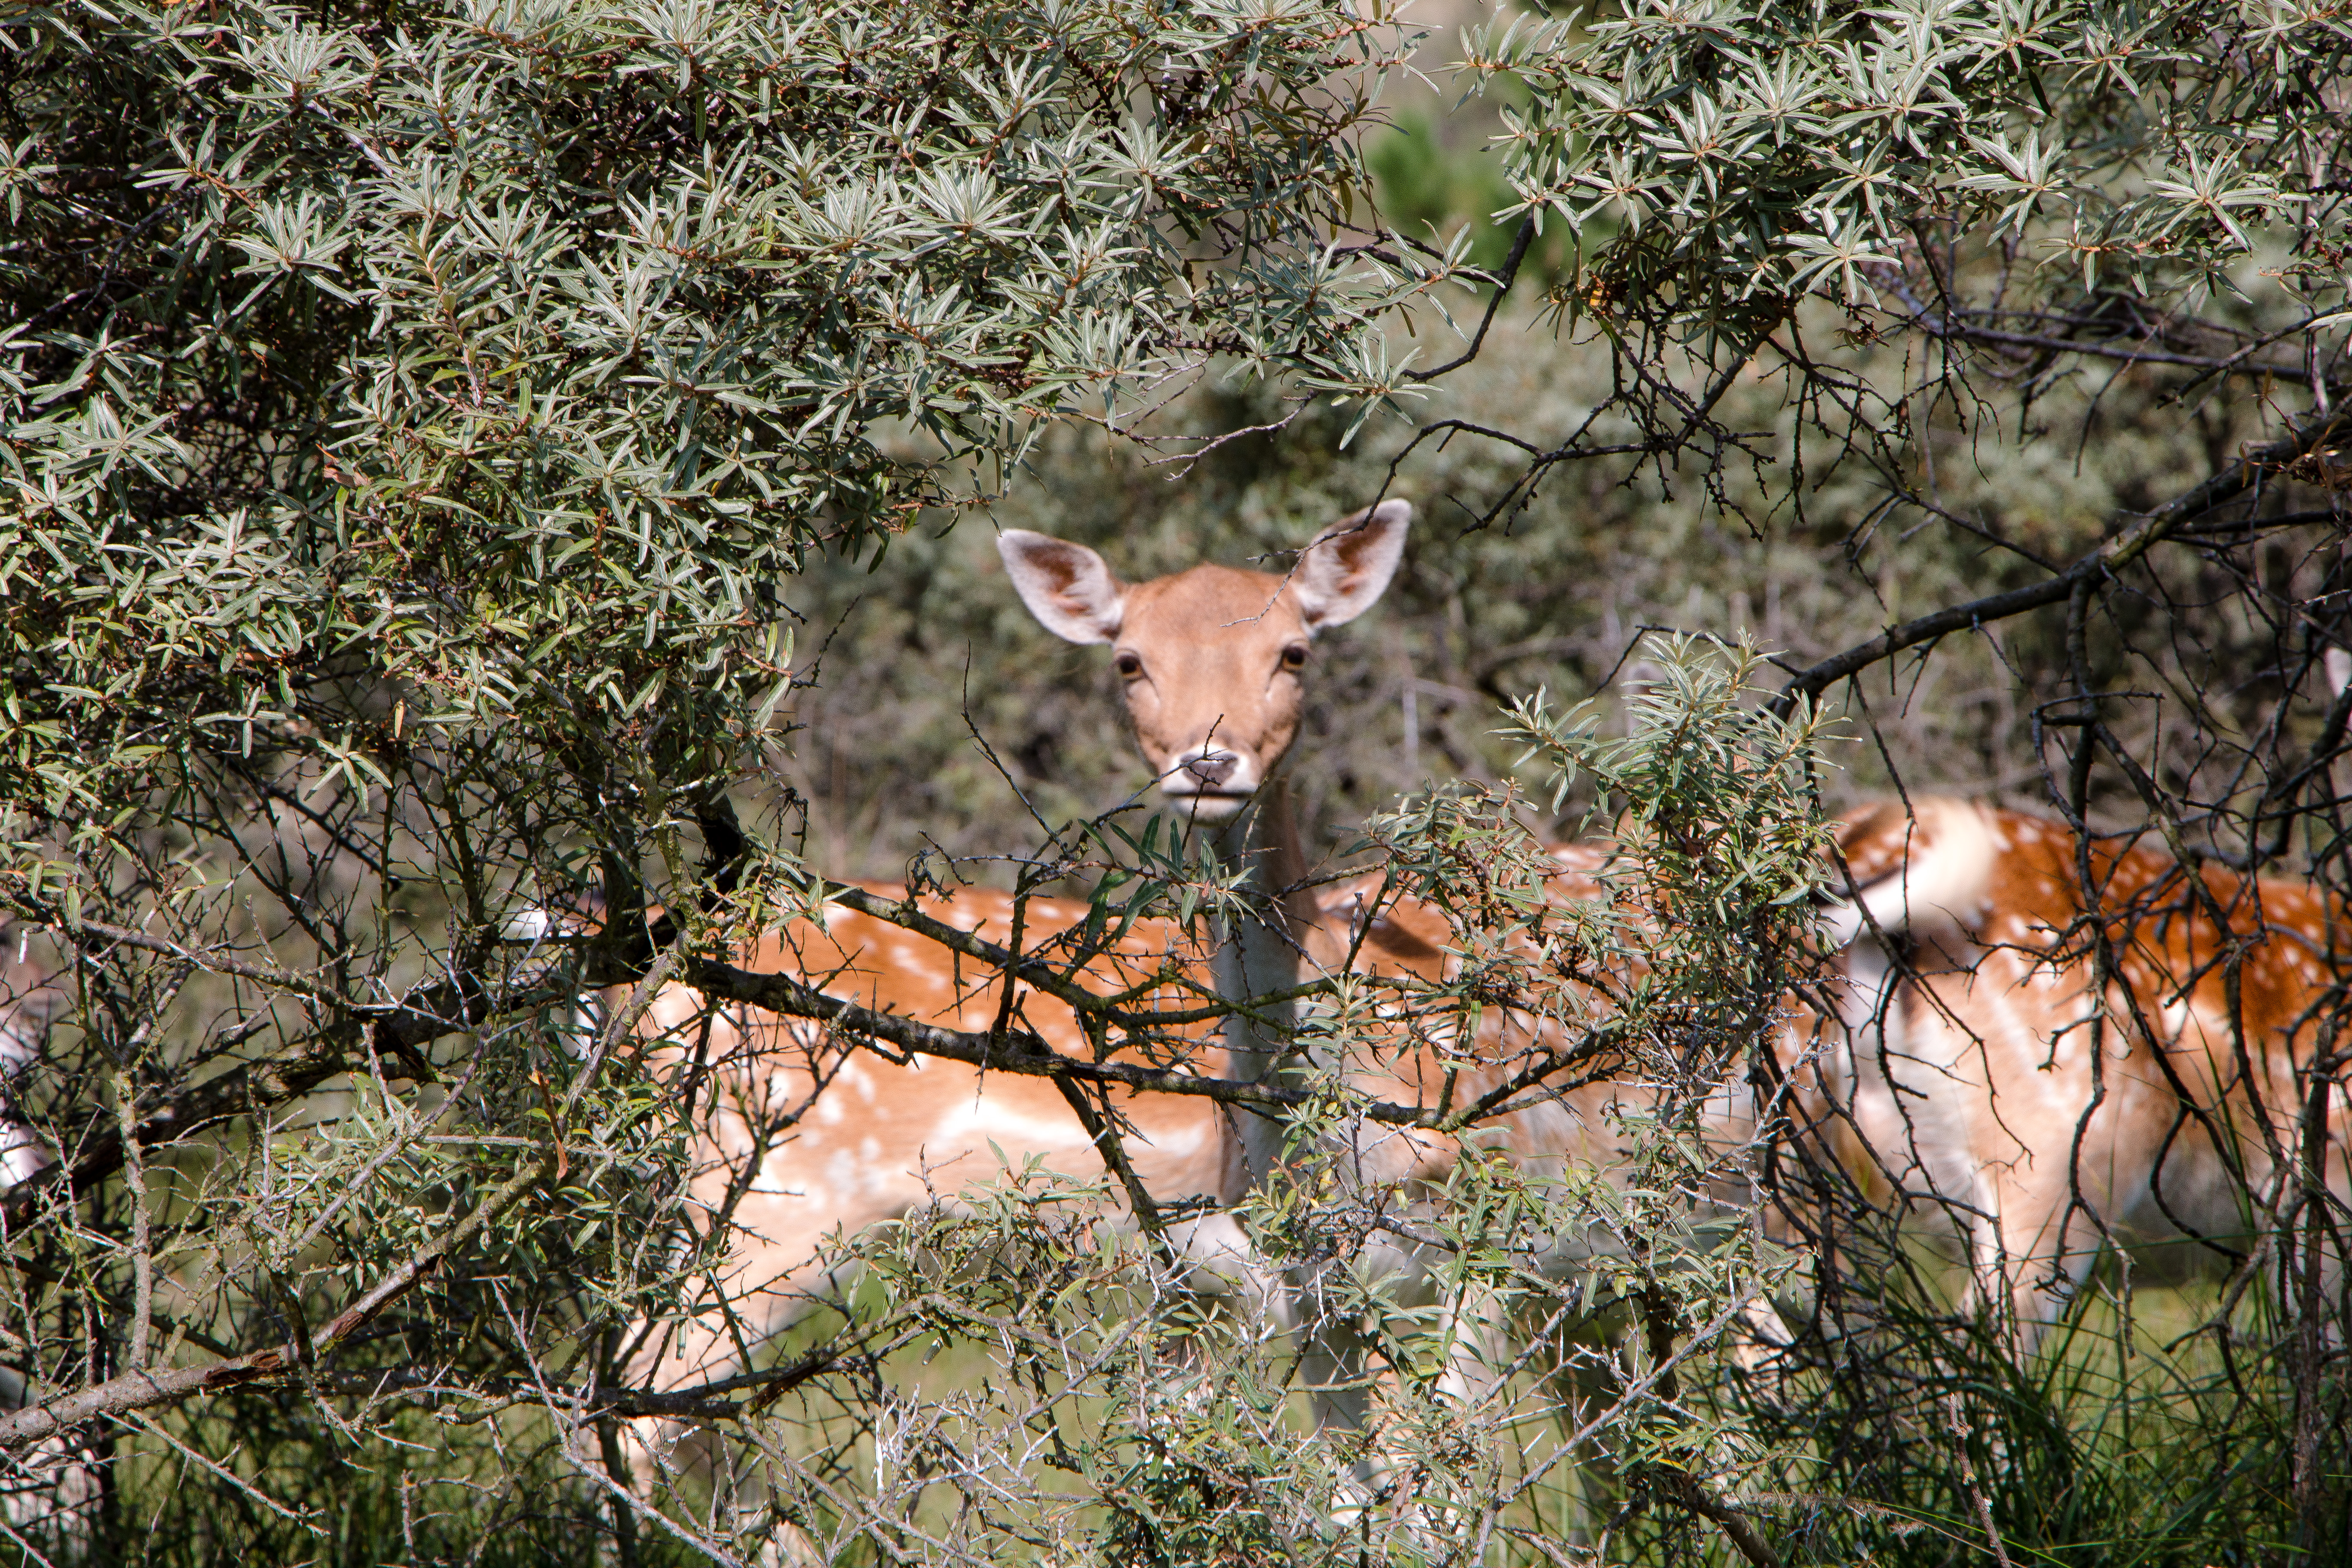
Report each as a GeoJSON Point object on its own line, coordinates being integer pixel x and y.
{"type": "Point", "coordinates": [1429, 188]}
{"type": "Point", "coordinates": [1555, 596]}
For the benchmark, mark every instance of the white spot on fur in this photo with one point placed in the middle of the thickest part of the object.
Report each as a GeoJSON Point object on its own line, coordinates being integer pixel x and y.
{"type": "Point", "coordinates": [974, 1125]}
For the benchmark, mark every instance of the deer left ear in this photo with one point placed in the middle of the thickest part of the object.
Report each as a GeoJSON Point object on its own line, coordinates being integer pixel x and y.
{"type": "Point", "coordinates": [1346, 569]}
{"type": "Point", "coordinates": [1067, 586]}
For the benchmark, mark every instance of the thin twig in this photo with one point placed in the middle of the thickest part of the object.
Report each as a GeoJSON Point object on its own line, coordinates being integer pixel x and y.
{"type": "Point", "coordinates": [142, 1389]}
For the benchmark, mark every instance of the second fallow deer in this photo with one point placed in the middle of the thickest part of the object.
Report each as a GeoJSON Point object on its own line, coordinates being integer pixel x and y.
{"type": "Point", "coordinates": [2065, 1051]}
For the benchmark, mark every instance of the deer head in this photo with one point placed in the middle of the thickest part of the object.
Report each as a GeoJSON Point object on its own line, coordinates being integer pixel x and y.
{"type": "Point", "coordinates": [1212, 658]}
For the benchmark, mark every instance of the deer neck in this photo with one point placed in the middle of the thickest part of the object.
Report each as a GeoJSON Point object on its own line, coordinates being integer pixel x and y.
{"type": "Point", "coordinates": [1259, 950]}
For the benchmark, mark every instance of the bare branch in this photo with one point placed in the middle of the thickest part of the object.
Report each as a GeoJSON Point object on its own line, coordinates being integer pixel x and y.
{"type": "Point", "coordinates": [2315, 434]}
{"type": "Point", "coordinates": [146, 1388]}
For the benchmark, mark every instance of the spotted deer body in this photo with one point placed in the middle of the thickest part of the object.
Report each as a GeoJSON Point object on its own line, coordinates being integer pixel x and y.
{"type": "Point", "coordinates": [2051, 1100]}
{"type": "Point", "coordinates": [1975, 1072]}
{"type": "Point", "coordinates": [804, 1137]}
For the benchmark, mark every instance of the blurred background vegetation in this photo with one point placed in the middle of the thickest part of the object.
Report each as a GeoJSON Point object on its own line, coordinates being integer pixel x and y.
{"type": "Point", "coordinates": [927, 654]}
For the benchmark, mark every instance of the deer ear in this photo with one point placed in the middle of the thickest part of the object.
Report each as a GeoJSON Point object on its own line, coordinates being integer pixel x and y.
{"type": "Point", "coordinates": [1067, 586]}
{"type": "Point", "coordinates": [1345, 569]}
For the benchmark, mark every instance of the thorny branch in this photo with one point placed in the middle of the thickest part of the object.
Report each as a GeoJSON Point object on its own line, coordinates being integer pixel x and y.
{"type": "Point", "coordinates": [2315, 434]}
{"type": "Point", "coordinates": [145, 1388]}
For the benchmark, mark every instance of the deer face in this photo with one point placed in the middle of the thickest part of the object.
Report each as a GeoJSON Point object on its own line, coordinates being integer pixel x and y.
{"type": "Point", "coordinates": [1212, 658]}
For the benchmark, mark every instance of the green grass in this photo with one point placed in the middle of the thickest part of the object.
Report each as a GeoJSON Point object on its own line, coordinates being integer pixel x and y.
{"type": "Point", "coordinates": [2139, 1435]}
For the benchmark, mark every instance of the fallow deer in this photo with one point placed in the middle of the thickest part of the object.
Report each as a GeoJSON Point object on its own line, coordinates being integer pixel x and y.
{"type": "Point", "coordinates": [2060, 1064]}
{"type": "Point", "coordinates": [1978, 1068]}
{"type": "Point", "coordinates": [1213, 661]}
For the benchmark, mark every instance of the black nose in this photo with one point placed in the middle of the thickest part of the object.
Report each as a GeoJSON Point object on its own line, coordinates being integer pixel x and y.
{"type": "Point", "coordinates": [1212, 768]}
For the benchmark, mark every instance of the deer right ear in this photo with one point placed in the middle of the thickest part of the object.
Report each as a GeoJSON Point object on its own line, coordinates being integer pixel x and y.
{"type": "Point", "coordinates": [1346, 568]}
{"type": "Point", "coordinates": [1067, 586]}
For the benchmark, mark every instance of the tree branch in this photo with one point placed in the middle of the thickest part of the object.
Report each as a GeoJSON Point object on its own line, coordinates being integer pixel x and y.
{"type": "Point", "coordinates": [465, 1001]}
{"type": "Point", "coordinates": [1015, 1051]}
{"type": "Point", "coordinates": [1504, 279]}
{"type": "Point", "coordinates": [2238, 361]}
{"type": "Point", "coordinates": [2113, 555]}
{"type": "Point", "coordinates": [145, 1388]}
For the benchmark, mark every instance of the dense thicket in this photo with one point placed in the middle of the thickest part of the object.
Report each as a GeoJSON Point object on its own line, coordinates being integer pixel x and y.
{"type": "Point", "coordinates": [499, 505]}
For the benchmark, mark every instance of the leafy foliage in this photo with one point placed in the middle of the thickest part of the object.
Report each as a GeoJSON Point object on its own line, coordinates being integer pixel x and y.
{"type": "Point", "coordinates": [461, 563]}
{"type": "Point", "coordinates": [413, 418]}
{"type": "Point", "coordinates": [1753, 155]}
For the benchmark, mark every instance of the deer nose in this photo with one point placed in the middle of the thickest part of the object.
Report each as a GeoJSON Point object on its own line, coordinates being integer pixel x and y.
{"type": "Point", "coordinates": [1211, 769]}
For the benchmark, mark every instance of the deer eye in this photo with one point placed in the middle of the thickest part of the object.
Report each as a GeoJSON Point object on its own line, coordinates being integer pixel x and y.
{"type": "Point", "coordinates": [1130, 666]}
{"type": "Point", "coordinates": [1294, 656]}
